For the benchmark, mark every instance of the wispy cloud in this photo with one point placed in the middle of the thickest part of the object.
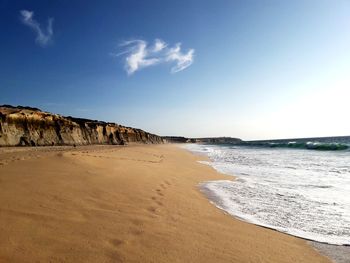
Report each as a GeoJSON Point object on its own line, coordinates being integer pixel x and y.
{"type": "Point", "coordinates": [159, 45]}
{"type": "Point", "coordinates": [41, 38]}
{"type": "Point", "coordinates": [182, 60]}
{"type": "Point", "coordinates": [139, 54]}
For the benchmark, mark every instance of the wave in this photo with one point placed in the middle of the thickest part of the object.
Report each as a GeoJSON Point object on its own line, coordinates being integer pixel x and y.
{"type": "Point", "coordinates": [301, 145]}
{"type": "Point", "coordinates": [279, 216]}
{"type": "Point", "coordinates": [303, 193]}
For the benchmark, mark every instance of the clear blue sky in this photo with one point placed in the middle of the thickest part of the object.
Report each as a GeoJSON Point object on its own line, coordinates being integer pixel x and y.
{"type": "Point", "coordinates": [258, 69]}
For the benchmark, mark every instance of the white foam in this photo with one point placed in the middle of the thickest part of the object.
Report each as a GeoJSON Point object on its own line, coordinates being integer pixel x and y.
{"type": "Point", "coordinates": [302, 193]}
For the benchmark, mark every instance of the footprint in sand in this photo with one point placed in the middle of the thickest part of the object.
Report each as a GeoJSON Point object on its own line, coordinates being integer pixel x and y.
{"type": "Point", "coordinates": [116, 242]}
{"type": "Point", "coordinates": [137, 222]}
{"type": "Point", "coordinates": [152, 209]}
{"type": "Point", "coordinates": [159, 203]}
{"type": "Point", "coordinates": [159, 192]}
{"type": "Point", "coordinates": [167, 182]}
{"type": "Point", "coordinates": [136, 232]}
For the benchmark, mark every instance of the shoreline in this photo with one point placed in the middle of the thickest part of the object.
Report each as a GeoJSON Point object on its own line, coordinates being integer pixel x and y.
{"type": "Point", "coordinates": [125, 204]}
{"type": "Point", "coordinates": [336, 253]}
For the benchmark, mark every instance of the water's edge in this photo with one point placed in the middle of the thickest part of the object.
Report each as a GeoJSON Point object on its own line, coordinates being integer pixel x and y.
{"type": "Point", "coordinates": [336, 253]}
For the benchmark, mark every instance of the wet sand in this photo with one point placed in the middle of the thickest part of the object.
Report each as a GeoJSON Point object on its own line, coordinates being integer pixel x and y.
{"type": "Point", "coordinates": [124, 204]}
{"type": "Point", "coordinates": [338, 254]}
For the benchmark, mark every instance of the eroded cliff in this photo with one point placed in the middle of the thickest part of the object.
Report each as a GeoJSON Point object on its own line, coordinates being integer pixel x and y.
{"type": "Point", "coordinates": [25, 126]}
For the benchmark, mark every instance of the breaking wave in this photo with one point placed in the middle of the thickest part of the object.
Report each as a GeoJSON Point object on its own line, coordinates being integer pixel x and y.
{"type": "Point", "coordinates": [321, 146]}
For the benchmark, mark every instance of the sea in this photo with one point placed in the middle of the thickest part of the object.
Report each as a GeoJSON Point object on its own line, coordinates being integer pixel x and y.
{"type": "Point", "coordinates": [297, 186]}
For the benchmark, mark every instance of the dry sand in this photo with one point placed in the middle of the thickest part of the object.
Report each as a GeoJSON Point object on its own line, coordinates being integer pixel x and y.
{"type": "Point", "coordinates": [124, 204]}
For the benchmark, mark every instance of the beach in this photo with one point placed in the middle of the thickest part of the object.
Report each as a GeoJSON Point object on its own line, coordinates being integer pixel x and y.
{"type": "Point", "coordinates": [136, 203]}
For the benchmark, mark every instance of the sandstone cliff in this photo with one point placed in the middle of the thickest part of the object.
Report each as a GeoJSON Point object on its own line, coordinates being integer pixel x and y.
{"type": "Point", "coordinates": [25, 126]}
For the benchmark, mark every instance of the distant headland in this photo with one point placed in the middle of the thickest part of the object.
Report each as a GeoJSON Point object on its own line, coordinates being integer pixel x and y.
{"type": "Point", "coordinates": [215, 140]}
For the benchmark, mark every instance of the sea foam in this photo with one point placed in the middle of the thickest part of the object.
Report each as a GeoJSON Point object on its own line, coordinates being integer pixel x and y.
{"type": "Point", "coordinates": [299, 192]}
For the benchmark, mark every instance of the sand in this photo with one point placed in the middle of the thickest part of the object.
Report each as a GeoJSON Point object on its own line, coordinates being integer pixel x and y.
{"type": "Point", "coordinates": [124, 204]}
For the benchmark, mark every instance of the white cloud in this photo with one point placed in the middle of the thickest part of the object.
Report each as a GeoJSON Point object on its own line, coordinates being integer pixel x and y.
{"type": "Point", "coordinates": [182, 60]}
{"type": "Point", "coordinates": [42, 38]}
{"type": "Point", "coordinates": [139, 54]}
{"type": "Point", "coordinates": [159, 45]}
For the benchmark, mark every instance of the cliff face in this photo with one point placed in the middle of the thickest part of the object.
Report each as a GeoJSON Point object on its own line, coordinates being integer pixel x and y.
{"type": "Point", "coordinates": [24, 126]}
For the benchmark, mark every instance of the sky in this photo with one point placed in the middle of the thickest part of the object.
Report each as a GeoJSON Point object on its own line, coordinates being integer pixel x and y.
{"type": "Point", "coordinates": [248, 69]}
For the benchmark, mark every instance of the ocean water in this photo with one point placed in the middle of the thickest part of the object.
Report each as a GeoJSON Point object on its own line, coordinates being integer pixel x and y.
{"type": "Point", "coordinates": [300, 187]}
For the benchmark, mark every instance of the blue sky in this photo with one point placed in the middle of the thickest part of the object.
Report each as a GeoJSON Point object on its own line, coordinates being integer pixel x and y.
{"type": "Point", "coordinates": [248, 69]}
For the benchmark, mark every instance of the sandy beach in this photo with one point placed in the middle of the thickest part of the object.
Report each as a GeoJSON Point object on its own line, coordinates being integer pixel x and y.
{"type": "Point", "coordinates": [139, 203]}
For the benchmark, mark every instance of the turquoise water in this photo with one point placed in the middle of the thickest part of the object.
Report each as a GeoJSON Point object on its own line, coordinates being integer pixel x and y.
{"type": "Point", "coordinates": [322, 144]}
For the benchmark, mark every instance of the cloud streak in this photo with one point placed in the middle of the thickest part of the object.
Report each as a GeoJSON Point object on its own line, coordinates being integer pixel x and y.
{"type": "Point", "coordinates": [138, 54]}
{"type": "Point", "coordinates": [42, 38]}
